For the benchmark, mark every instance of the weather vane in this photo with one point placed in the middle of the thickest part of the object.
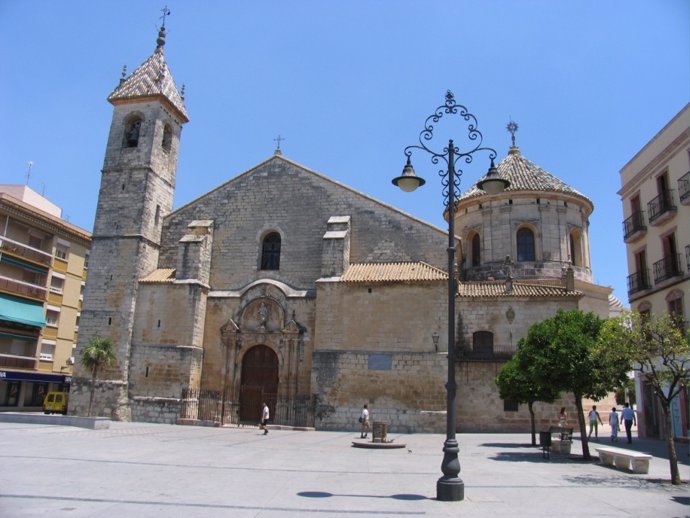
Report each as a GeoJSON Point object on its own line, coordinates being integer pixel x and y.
{"type": "Point", "coordinates": [166, 12]}
{"type": "Point", "coordinates": [278, 139]}
{"type": "Point", "coordinates": [512, 127]}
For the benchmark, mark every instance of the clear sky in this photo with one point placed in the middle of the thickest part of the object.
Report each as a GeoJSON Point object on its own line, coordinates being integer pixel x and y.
{"type": "Point", "coordinates": [349, 84]}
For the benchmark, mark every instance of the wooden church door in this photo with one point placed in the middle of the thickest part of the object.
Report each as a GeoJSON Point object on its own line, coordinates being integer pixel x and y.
{"type": "Point", "coordinates": [259, 383]}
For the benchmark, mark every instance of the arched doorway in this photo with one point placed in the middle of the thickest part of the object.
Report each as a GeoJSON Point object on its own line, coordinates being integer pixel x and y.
{"type": "Point", "coordinates": [259, 383]}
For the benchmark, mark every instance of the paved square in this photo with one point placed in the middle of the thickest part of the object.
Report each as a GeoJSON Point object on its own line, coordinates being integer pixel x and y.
{"type": "Point", "coordinates": [141, 469]}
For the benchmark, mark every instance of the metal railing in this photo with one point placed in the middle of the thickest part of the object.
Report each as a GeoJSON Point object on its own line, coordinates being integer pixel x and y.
{"type": "Point", "coordinates": [634, 224]}
{"type": "Point", "coordinates": [207, 405]}
{"type": "Point", "coordinates": [684, 187]}
{"type": "Point", "coordinates": [18, 362]}
{"type": "Point", "coordinates": [660, 205]}
{"type": "Point", "coordinates": [638, 281]}
{"type": "Point", "coordinates": [498, 352]}
{"type": "Point", "coordinates": [16, 248]}
{"type": "Point", "coordinates": [22, 288]}
{"type": "Point", "coordinates": [667, 267]}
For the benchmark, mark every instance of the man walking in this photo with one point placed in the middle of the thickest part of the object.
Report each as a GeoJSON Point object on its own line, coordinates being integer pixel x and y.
{"type": "Point", "coordinates": [264, 418]}
{"type": "Point", "coordinates": [594, 421]}
{"type": "Point", "coordinates": [628, 416]}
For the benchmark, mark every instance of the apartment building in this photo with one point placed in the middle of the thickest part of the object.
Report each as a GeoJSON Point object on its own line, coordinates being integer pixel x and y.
{"type": "Point", "coordinates": [43, 264]}
{"type": "Point", "coordinates": [655, 194]}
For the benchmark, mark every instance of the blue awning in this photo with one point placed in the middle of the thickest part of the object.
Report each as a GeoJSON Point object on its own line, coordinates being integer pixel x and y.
{"type": "Point", "coordinates": [22, 311]}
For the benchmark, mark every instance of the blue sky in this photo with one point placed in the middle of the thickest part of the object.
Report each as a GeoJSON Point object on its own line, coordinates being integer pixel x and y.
{"type": "Point", "coordinates": [349, 85]}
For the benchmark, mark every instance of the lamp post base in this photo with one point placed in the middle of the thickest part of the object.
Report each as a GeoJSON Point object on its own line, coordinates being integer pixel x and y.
{"type": "Point", "coordinates": [450, 489]}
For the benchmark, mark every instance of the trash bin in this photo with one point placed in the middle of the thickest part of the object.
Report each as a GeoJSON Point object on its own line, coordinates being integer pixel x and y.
{"type": "Point", "coordinates": [545, 439]}
{"type": "Point", "coordinates": [379, 431]}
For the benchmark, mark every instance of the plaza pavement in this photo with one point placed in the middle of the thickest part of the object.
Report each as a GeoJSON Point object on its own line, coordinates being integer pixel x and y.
{"type": "Point", "coordinates": [151, 470]}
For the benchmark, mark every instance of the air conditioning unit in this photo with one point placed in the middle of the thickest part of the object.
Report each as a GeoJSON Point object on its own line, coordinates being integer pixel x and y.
{"type": "Point", "coordinates": [70, 360]}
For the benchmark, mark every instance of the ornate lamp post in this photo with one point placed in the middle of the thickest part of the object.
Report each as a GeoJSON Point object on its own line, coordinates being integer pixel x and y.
{"type": "Point", "coordinates": [450, 487]}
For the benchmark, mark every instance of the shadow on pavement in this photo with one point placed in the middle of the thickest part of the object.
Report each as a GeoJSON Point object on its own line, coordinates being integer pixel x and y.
{"type": "Point", "coordinates": [324, 494]}
{"type": "Point", "coordinates": [507, 445]}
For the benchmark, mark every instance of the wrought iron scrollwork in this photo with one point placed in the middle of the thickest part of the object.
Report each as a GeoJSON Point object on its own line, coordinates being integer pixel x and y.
{"type": "Point", "coordinates": [451, 159]}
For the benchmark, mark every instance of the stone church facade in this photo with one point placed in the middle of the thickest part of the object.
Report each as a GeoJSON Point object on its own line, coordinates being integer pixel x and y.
{"type": "Point", "coordinates": [285, 286]}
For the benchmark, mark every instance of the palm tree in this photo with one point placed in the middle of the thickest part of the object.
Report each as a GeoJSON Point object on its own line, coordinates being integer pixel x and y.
{"type": "Point", "coordinates": [98, 354]}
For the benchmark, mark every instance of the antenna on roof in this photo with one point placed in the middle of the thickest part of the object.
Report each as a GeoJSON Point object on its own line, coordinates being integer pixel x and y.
{"type": "Point", "coordinates": [28, 171]}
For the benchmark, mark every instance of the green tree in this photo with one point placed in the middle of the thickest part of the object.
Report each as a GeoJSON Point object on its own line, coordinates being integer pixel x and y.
{"type": "Point", "coordinates": [566, 357]}
{"type": "Point", "coordinates": [95, 356]}
{"type": "Point", "coordinates": [659, 349]}
{"type": "Point", "coordinates": [516, 382]}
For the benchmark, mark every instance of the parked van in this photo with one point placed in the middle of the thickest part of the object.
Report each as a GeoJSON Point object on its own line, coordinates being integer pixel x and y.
{"type": "Point", "coordinates": [55, 403]}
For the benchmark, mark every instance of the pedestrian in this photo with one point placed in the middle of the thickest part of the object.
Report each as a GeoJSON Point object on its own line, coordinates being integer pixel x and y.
{"type": "Point", "coordinates": [364, 419]}
{"type": "Point", "coordinates": [628, 417]}
{"type": "Point", "coordinates": [613, 421]}
{"type": "Point", "coordinates": [265, 415]}
{"type": "Point", "coordinates": [563, 418]}
{"type": "Point", "coordinates": [594, 422]}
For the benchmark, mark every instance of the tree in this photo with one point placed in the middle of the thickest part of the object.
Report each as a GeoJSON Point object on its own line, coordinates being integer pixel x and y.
{"type": "Point", "coordinates": [659, 350]}
{"type": "Point", "coordinates": [96, 355]}
{"type": "Point", "coordinates": [566, 357]}
{"type": "Point", "coordinates": [516, 382]}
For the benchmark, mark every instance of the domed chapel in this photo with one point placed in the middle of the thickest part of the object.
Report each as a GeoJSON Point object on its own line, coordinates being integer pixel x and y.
{"type": "Point", "coordinates": [284, 286]}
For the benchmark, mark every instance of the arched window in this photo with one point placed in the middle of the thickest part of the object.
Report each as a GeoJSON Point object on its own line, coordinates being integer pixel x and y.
{"type": "Point", "coordinates": [483, 343]}
{"type": "Point", "coordinates": [132, 130]}
{"type": "Point", "coordinates": [476, 250]}
{"type": "Point", "coordinates": [270, 252]}
{"type": "Point", "coordinates": [525, 245]}
{"type": "Point", "coordinates": [167, 137]}
{"type": "Point", "coordinates": [575, 248]}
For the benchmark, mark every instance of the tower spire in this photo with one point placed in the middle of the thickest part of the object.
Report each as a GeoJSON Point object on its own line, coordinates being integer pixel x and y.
{"type": "Point", "coordinates": [160, 42]}
{"type": "Point", "coordinates": [512, 127]}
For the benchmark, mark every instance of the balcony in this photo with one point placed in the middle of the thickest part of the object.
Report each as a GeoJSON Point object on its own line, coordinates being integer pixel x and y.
{"type": "Point", "coordinates": [634, 227]}
{"type": "Point", "coordinates": [12, 361]}
{"type": "Point", "coordinates": [684, 188]}
{"type": "Point", "coordinates": [687, 257]}
{"type": "Point", "coordinates": [667, 268]}
{"type": "Point", "coordinates": [638, 281]}
{"type": "Point", "coordinates": [18, 249]}
{"type": "Point", "coordinates": [661, 208]}
{"type": "Point", "coordinates": [23, 289]}
{"type": "Point", "coordinates": [495, 353]}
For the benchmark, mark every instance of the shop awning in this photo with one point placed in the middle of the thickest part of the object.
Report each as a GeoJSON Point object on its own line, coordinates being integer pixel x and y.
{"type": "Point", "coordinates": [22, 311]}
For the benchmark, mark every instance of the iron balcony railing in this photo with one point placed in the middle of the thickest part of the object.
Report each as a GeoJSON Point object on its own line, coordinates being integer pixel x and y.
{"type": "Point", "coordinates": [684, 187]}
{"type": "Point", "coordinates": [24, 289]}
{"type": "Point", "coordinates": [667, 268]}
{"type": "Point", "coordinates": [33, 254]}
{"type": "Point", "coordinates": [634, 224]}
{"type": "Point", "coordinates": [13, 361]}
{"type": "Point", "coordinates": [660, 205]}
{"type": "Point", "coordinates": [638, 281]}
{"type": "Point", "coordinates": [687, 257]}
{"type": "Point", "coordinates": [495, 353]}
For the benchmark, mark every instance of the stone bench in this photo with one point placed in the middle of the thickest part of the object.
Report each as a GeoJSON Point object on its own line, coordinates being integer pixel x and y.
{"type": "Point", "coordinates": [622, 459]}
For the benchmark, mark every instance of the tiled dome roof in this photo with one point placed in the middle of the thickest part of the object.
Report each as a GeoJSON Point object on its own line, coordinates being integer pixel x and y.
{"type": "Point", "coordinates": [151, 79]}
{"type": "Point", "coordinates": [525, 175]}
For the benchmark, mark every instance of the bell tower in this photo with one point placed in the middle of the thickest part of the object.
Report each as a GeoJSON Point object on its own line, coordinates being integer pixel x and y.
{"type": "Point", "coordinates": [136, 193]}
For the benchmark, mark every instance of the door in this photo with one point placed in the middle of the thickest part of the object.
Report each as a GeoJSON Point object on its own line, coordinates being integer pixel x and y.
{"type": "Point", "coordinates": [259, 383]}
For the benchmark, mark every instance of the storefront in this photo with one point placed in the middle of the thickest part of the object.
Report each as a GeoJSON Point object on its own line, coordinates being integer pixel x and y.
{"type": "Point", "coordinates": [26, 390]}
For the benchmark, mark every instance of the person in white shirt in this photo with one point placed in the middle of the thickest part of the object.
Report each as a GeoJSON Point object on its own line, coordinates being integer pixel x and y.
{"type": "Point", "coordinates": [628, 418]}
{"type": "Point", "coordinates": [364, 419]}
{"type": "Point", "coordinates": [613, 421]}
{"type": "Point", "coordinates": [264, 418]}
{"type": "Point", "coordinates": [594, 421]}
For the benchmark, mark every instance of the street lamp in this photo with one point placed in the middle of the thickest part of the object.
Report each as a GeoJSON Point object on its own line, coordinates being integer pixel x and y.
{"type": "Point", "coordinates": [450, 487]}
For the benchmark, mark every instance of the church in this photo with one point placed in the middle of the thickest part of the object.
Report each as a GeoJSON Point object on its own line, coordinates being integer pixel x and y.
{"type": "Point", "coordinates": [286, 287]}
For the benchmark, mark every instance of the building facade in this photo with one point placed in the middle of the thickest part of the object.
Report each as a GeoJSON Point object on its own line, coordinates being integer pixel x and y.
{"type": "Point", "coordinates": [655, 194]}
{"type": "Point", "coordinates": [42, 274]}
{"type": "Point", "coordinates": [286, 287]}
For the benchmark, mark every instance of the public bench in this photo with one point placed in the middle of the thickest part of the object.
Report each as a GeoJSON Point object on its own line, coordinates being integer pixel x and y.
{"type": "Point", "coordinates": [623, 459]}
{"type": "Point", "coordinates": [560, 444]}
